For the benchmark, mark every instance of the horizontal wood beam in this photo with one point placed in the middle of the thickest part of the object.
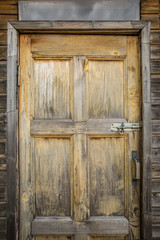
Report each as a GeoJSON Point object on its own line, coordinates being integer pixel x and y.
{"type": "Point", "coordinates": [121, 27]}
{"type": "Point", "coordinates": [66, 226]}
{"type": "Point", "coordinates": [68, 127]}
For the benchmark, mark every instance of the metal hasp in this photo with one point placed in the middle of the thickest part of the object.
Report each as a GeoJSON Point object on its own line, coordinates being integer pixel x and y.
{"type": "Point", "coordinates": [125, 127]}
{"type": "Point", "coordinates": [137, 167]}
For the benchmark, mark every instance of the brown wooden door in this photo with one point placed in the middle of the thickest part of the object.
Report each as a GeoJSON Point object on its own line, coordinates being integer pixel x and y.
{"type": "Point", "coordinates": [76, 174]}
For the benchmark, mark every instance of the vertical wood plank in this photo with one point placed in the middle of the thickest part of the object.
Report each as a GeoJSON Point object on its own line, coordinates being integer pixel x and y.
{"type": "Point", "coordinates": [147, 134]}
{"type": "Point", "coordinates": [134, 115]}
{"type": "Point", "coordinates": [81, 208]}
{"type": "Point", "coordinates": [134, 188]}
{"type": "Point", "coordinates": [12, 135]}
{"type": "Point", "coordinates": [26, 164]}
{"type": "Point", "coordinates": [80, 113]}
{"type": "Point", "coordinates": [134, 84]}
{"type": "Point", "coordinates": [80, 89]}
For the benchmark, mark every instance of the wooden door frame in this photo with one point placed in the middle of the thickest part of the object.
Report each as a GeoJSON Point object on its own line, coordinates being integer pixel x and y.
{"type": "Point", "coordinates": [15, 28]}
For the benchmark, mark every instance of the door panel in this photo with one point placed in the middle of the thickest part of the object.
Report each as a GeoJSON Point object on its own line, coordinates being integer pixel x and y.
{"type": "Point", "coordinates": [106, 89]}
{"type": "Point", "coordinates": [107, 176]}
{"type": "Point", "coordinates": [52, 173]}
{"type": "Point", "coordinates": [76, 174]}
{"type": "Point", "coordinates": [52, 89]}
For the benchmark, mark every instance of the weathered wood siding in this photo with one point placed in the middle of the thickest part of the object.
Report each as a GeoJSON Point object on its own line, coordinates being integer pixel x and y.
{"type": "Point", "coordinates": [8, 11]}
{"type": "Point", "coordinates": [150, 10]}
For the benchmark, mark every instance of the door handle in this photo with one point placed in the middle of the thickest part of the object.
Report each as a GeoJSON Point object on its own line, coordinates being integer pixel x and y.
{"type": "Point", "coordinates": [137, 166]}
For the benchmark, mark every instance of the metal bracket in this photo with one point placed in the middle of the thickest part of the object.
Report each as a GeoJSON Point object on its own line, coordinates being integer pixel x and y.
{"type": "Point", "coordinates": [125, 127]}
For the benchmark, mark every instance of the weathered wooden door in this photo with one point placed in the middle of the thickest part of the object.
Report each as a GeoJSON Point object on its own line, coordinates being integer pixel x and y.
{"type": "Point", "coordinates": [77, 95]}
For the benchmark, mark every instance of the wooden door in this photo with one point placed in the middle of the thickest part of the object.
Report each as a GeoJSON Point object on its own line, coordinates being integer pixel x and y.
{"type": "Point", "coordinates": [76, 167]}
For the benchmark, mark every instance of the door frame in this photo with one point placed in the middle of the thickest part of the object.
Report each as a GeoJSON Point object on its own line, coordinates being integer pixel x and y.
{"type": "Point", "coordinates": [15, 28]}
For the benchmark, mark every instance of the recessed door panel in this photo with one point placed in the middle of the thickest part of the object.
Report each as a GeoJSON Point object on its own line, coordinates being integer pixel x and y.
{"type": "Point", "coordinates": [52, 170]}
{"type": "Point", "coordinates": [106, 89]}
{"type": "Point", "coordinates": [51, 89]}
{"type": "Point", "coordinates": [107, 176]}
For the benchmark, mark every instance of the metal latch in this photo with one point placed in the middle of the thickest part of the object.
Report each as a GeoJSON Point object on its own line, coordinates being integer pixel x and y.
{"type": "Point", "coordinates": [137, 168]}
{"type": "Point", "coordinates": [125, 127]}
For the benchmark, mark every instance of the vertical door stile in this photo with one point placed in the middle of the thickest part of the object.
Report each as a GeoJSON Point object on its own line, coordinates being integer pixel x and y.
{"type": "Point", "coordinates": [125, 88]}
{"type": "Point", "coordinates": [134, 115]}
{"type": "Point", "coordinates": [80, 145]}
{"type": "Point", "coordinates": [80, 89]}
{"type": "Point", "coordinates": [33, 167]}
{"type": "Point", "coordinates": [26, 165]}
{"type": "Point", "coordinates": [126, 107]}
{"type": "Point", "coordinates": [126, 178]}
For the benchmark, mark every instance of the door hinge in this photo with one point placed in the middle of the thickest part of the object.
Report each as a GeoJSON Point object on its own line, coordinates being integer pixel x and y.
{"type": "Point", "coordinates": [19, 75]}
{"type": "Point", "coordinates": [125, 127]}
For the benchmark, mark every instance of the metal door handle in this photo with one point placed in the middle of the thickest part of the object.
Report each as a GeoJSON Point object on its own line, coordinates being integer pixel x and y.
{"type": "Point", "coordinates": [137, 166]}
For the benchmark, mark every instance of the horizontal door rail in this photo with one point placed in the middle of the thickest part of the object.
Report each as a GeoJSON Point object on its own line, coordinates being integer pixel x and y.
{"type": "Point", "coordinates": [66, 226]}
{"type": "Point", "coordinates": [68, 127]}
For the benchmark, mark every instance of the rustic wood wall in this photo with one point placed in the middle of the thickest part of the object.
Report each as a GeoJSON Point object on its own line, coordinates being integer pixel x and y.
{"type": "Point", "coordinates": [8, 11]}
{"type": "Point", "coordinates": [150, 10]}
